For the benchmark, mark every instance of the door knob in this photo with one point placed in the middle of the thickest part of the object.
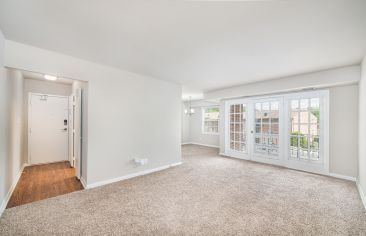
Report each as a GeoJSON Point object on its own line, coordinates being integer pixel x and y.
{"type": "Point", "coordinates": [64, 129]}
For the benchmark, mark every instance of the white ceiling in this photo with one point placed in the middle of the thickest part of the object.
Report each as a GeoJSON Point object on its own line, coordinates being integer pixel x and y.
{"type": "Point", "coordinates": [204, 45]}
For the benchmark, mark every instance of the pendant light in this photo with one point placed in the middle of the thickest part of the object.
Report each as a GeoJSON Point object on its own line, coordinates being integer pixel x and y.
{"type": "Point", "coordinates": [189, 111]}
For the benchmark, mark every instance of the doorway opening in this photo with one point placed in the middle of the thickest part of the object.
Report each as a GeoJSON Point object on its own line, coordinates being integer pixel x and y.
{"type": "Point", "coordinates": [52, 137]}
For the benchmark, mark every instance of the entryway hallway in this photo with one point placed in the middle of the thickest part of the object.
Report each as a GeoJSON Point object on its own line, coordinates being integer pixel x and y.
{"type": "Point", "coordinates": [44, 181]}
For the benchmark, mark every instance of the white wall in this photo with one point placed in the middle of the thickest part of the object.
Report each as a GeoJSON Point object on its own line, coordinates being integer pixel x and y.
{"type": "Point", "coordinates": [222, 126]}
{"type": "Point", "coordinates": [129, 115]}
{"type": "Point", "coordinates": [46, 87]}
{"type": "Point", "coordinates": [343, 100]}
{"type": "Point", "coordinates": [320, 79]}
{"type": "Point", "coordinates": [185, 125]}
{"type": "Point", "coordinates": [11, 99]}
{"type": "Point", "coordinates": [16, 116]}
{"type": "Point", "coordinates": [38, 86]}
{"type": "Point", "coordinates": [362, 131]}
{"type": "Point", "coordinates": [343, 130]}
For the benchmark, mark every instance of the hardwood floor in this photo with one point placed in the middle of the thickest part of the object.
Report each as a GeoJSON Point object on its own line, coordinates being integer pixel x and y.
{"type": "Point", "coordinates": [44, 181]}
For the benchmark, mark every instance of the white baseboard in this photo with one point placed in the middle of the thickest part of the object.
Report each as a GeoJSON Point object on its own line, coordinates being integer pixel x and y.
{"type": "Point", "coordinates": [83, 182]}
{"type": "Point", "coordinates": [339, 176]}
{"type": "Point", "coordinates": [140, 173]}
{"type": "Point", "coordinates": [362, 194]}
{"type": "Point", "coordinates": [11, 190]}
{"type": "Point", "coordinates": [176, 164]}
{"type": "Point", "coordinates": [201, 144]}
{"type": "Point", "coordinates": [46, 163]}
{"type": "Point", "coordinates": [342, 177]}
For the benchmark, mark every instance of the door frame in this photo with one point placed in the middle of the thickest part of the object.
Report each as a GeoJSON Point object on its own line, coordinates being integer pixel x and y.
{"type": "Point", "coordinates": [77, 141]}
{"type": "Point", "coordinates": [71, 128]}
{"type": "Point", "coordinates": [30, 94]}
{"type": "Point", "coordinates": [75, 136]}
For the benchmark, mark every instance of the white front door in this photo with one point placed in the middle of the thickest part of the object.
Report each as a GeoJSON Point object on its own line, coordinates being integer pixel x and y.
{"type": "Point", "coordinates": [48, 128]}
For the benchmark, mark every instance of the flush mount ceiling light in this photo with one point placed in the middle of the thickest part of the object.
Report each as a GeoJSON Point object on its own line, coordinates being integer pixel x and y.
{"type": "Point", "coordinates": [50, 77]}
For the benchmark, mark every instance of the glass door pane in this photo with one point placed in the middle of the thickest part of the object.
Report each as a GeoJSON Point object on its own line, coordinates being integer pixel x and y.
{"type": "Point", "coordinates": [304, 128]}
{"type": "Point", "coordinates": [266, 132]}
{"type": "Point", "coordinates": [237, 123]}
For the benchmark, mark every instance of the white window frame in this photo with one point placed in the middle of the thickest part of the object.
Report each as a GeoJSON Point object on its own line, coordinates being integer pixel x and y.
{"type": "Point", "coordinates": [316, 166]}
{"type": "Point", "coordinates": [203, 111]}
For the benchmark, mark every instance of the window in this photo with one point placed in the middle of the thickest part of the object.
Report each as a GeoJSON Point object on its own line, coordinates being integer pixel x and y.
{"type": "Point", "coordinates": [238, 127]}
{"type": "Point", "coordinates": [304, 128]}
{"type": "Point", "coordinates": [210, 121]}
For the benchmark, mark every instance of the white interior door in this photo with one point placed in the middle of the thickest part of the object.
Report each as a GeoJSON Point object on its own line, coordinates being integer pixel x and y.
{"type": "Point", "coordinates": [48, 128]}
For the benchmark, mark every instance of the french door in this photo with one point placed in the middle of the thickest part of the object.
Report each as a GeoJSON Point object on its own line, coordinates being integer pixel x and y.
{"type": "Point", "coordinates": [289, 130]}
{"type": "Point", "coordinates": [237, 138]}
{"type": "Point", "coordinates": [265, 130]}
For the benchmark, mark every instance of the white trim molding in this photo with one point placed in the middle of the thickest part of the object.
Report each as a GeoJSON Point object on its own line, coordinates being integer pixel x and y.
{"type": "Point", "coordinates": [83, 182]}
{"type": "Point", "coordinates": [186, 143]}
{"type": "Point", "coordinates": [362, 194]}
{"type": "Point", "coordinates": [129, 176]}
{"type": "Point", "coordinates": [350, 178]}
{"type": "Point", "coordinates": [202, 144]}
{"type": "Point", "coordinates": [11, 190]}
{"type": "Point", "coordinates": [176, 164]}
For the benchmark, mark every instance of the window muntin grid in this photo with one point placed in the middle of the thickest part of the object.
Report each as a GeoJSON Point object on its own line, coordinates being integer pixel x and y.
{"type": "Point", "coordinates": [237, 125]}
{"type": "Point", "coordinates": [210, 121]}
{"type": "Point", "coordinates": [266, 134]}
{"type": "Point", "coordinates": [304, 133]}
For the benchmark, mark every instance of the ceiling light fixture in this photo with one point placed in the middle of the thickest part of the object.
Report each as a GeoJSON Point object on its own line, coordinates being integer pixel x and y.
{"type": "Point", "coordinates": [50, 77]}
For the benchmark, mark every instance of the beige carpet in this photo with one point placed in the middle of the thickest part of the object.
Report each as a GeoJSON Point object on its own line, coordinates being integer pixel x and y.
{"type": "Point", "coordinates": [207, 195]}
